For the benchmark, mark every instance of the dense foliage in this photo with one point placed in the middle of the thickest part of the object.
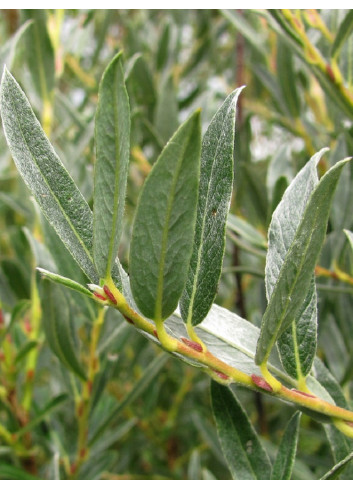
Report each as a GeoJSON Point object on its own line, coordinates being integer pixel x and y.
{"type": "Point", "coordinates": [82, 393]}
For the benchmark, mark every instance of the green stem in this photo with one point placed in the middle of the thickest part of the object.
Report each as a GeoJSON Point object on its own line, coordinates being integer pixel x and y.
{"type": "Point", "coordinates": [32, 357]}
{"type": "Point", "coordinates": [84, 401]}
{"type": "Point", "coordinates": [224, 373]}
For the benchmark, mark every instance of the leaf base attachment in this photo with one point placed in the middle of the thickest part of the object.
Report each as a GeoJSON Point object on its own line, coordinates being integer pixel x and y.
{"type": "Point", "coordinates": [270, 379]}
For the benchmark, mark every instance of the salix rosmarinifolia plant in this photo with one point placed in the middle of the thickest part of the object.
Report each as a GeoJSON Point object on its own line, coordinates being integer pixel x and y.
{"type": "Point", "coordinates": [177, 248]}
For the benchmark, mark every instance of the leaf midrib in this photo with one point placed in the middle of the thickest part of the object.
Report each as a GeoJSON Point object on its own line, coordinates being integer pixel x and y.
{"type": "Point", "coordinates": [158, 307]}
{"type": "Point", "coordinates": [288, 298]}
{"type": "Point", "coordinates": [116, 180]}
{"type": "Point", "coordinates": [231, 420]}
{"type": "Point", "coordinates": [199, 253]}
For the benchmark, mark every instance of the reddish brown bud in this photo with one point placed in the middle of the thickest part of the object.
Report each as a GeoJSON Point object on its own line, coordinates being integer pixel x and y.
{"type": "Point", "coordinates": [128, 319]}
{"type": "Point", "coordinates": [155, 334]}
{"type": "Point", "coordinates": [95, 364]}
{"type": "Point", "coordinates": [30, 374]}
{"type": "Point", "coordinates": [298, 24]}
{"type": "Point", "coordinates": [349, 423]}
{"type": "Point", "coordinates": [27, 325]}
{"type": "Point", "coordinates": [303, 393]}
{"type": "Point", "coordinates": [192, 344]}
{"type": "Point", "coordinates": [80, 410]}
{"type": "Point", "coordinates": [1, 318]}
{"type": "Point", "coordinates": [109, 294]}
{"type": "Point", "coordinates": [221, 375]}
{"type": "Point", "coordinates": [83, 453]}
{"type": "Point", "coordinates": [330, 72]}
{"type": "Point", "coordinates": [261, 382]}
{"type": "Point", "coordinates": [73, 468]}
{"type": "Point", "coordinates": [101, 297]}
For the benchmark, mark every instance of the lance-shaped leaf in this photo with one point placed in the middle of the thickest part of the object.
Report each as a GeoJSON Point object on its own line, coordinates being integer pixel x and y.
{"type": "Point", "coordinates": [344, 31]}
{"type": "Point", "coordinates": [67, 282]}
{"type": "Point", "coordinates": [297, 345]}
{"type": "Point", "coordinates": [111, 170]}
{"type": "Point", "coordinates": [138, 389]}
{"type": "Point", "coordinates": [43, 413]}
{"type": "Point", "coordinates": [296, 272]}
{"type": "Point", "coordinates": [245, 456]}
{"type": "Point", "coordinates": [283, 465]}
{"type": "Point", "coordinates": [216, 183]}
{"type": "Point", "coordinates": [336, 470]}
{"type": "Point", "coordinates": [163, 231]}
{"type": "Point", "coordinates": [40, 57]}
{"type": "Point", "coordinates": [57, 324]}
{"type": "Point", "coordinates": [8, 50]}
{"type": "Point", "coordinates": [57, 195]}
{"type": "Point", "coordinates": [286, 78]}
{"type": "Point", "coordinates": [349, 235]}
{"type": "Point", "coordinates": [166, 112]}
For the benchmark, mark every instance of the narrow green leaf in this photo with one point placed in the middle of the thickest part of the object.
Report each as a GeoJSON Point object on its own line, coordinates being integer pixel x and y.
{"type": "Point", "coordinates": [40, 167]}
{"type": "Point", "coordinates": [18, 311]}
{"type": "Point", "coordinates": [245, 456]}
{"type": "Point", "coordinates": [208, 434]}
{"type": "Point", "coordinates": [349, 235]}
{"type": "Point", "coordinates": [163, 48]}
{"type": "Point", "coordinates": [22, 352]}
{"type": "Point", "coordinates": [141, 80]}
{"type": "Point", "coordinates": [287, 78]}
{"type": "Point", "coordinates": [297, 345]}
{"type": "Point", "coordinates": [111, 170]}
{"type": "Point", "coordinates": [10, 472]}
{"type": "Point", "coordinates": [40, 253]}
{"type": "Point", "coordinates": [8, 50]}
{"type": "Point", "coordinates": [279, 166]}
{"type": "Point", "coordinates": [148, 376]}
{"type": "Point", "coordinates": [246, 231]}
{"type": "Point", "coordinates": [163, 231]}
{"type": "Point", "coordinates": [295, 275]}
{"type": "Point", "coordinates": [65, 264]}
{"type": "Point", "coordinates": [336, 470]}
{"type": "Point", "coordinates": [57, 324]}
{"type": "Point", "coordinates": [166, 116]}
{"type": "Point", "coordinates": [254, 37]}
{"type": "Point", "coordinates": [344, 31]}
{"type": "Point", "coordinates": [278, 191]}
{"type": "Point", "coordinates": [16, 204]}
{"type": "Point", "coordinates": [282, 27]}
{"type": "Point", "coordinates": [17, 277]}
{"type": "Point", "coordinates": [40, 58]}
{"type": "Point", "coordinates": [7, 295]}
{"type": "Point", "coordinates": [111, 438]}
{"type": "Point", "coordinates": [216, 184]}
{"type": "Point", "coordinates": [67, 282]}
{"type": "Point", "coordinates": [43, 413]}
{"type": "Point", "coordinates": [194, 466]}
{"type": "Point", "coordinates": [283, 465]}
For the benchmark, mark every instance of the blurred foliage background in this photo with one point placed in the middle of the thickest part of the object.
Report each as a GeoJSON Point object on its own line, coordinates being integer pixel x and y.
{"type": "Point", "coordinates": [150, 416]}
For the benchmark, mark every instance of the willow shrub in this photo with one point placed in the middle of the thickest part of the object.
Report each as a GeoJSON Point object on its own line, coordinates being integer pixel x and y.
{"type": "Point", "coordinates": [167, 293]}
